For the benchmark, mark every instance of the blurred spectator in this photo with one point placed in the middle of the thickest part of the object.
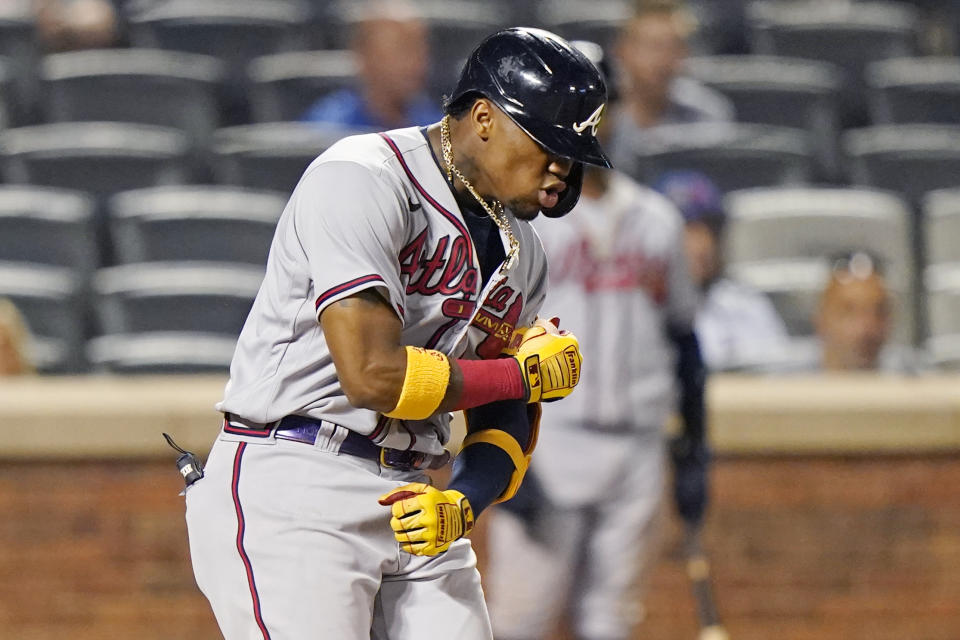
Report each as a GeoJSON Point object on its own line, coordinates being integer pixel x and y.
{"type": "Point", "coordinates": [651, 52]}
{"type": "Point", "coordinates": [65, 25]}
{"type": "Point", "coordinates": [391, 44]}
{"type": "Point", "coordinates": [853, 323]}
{"type": "Point", "coordinates": [14, 339]}
{"type": "Point", "coordinates": [738, 326]}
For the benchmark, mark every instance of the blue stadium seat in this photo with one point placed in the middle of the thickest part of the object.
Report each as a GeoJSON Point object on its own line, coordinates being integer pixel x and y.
{"type": "Point", "coordinates": [787, 223]}
{"type": "Point", "coordinates": [211, 223]}
{"type": "Point", "coordinates": [283, 86]}
{"type": "Point", "coordinates": [910, 158]}
{"type": "Point", "coordinates": [943, 304]}
{"type": "Point", "coordinates": [175, 296]}
{"type": "Point", "coordinates": [847, 34]}
{"type": "Point", "coordinates": [734, 156]}
{"type": "Point", "coordinates": [599, 21]}
{"type": "Point", "coordinates": [270, 156]}
{"type": "Point", "coordinates": [786, 92]}
{"type": "Point", "coordinates": [50, 299]}
{"type": "Point", "coordinates": [48, 226]}
{"type": "Point", "coordinates": [164, 88]}
{"type": "Point", "coordinates": [941, 216]}
{"type": "Point", "coordinates": [161, 352]}
{"type": "Point", "coordinates": [915, 90]}
{"type": "Point", "coordinates": [99, 157]}
{"type": "Point", "coordinates": [19, 47]}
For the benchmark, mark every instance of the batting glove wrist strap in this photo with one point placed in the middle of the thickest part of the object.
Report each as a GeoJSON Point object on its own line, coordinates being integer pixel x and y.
{"type": "Point", "coordinates": [549, 360]}
{"type": "Point", "coordinates": [506, 442]}
{"type": "Point", "coordinates": [425, 520]}
{"type": "Point", "coordinates": [424, 384]}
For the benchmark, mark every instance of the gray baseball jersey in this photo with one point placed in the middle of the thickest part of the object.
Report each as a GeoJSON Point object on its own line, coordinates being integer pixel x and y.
{"type": "Point", "coordinates": [618, 279]}
{"type": "Point", "coordinates": [374, 211]}
{"type": "Point", "coordinates": [275, 525]}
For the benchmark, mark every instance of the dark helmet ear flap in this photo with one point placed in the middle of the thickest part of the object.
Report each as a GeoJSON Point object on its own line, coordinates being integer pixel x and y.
{"type": "Point", "coordinates": [570, 195]}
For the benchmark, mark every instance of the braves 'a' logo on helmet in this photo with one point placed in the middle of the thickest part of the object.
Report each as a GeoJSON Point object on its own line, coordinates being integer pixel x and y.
{"type": "Point", "coordinates": [593, 122]}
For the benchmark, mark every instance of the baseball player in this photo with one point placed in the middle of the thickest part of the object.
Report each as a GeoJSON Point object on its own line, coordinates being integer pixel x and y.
{"type": "Point", "coordinates": [575, 538]}
{"type": "Point", "coordinates": [402, 268]}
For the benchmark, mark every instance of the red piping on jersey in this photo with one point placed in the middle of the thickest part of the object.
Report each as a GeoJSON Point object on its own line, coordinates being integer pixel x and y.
{"type": "Point", "coordinates": [246, 431]}
{"type": "Point", "coordinates": [451, 217]}
{"type": "Point", "coordinates": [340, 288]}
{"type": "Point", "coordinates": [241, 528]}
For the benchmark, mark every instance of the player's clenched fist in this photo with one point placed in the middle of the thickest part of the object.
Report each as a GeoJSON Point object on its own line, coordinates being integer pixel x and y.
{"type": "Point", "coordinates": [426, 520]}
{"type": "Point", "coordinates": [549, 361]}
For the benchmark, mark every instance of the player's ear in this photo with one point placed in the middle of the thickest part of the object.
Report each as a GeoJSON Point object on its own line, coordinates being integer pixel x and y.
{"type": "Point", "coordinates": [482, 118]}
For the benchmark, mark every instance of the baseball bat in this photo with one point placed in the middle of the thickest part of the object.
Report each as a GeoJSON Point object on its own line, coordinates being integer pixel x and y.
{"type": "Point", "coordinates": [698, 570]}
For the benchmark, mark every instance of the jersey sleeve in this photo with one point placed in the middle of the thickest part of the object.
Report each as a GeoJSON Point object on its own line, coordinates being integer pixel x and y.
{"type": "Point", "coordinates": [349, 222]}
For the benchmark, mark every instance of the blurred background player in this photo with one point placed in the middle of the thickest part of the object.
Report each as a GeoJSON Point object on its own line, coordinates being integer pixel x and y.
{"type": "Point", "coordinates": [391, 43]}
{"type": "Point", "coordinates": [651, 50]}
{"type": "Point", "coordinates": [581, 530]}
{"type": "Point", "coordinates": [14, 341]}
{"type": "Point", "coordinates": [738, 326]}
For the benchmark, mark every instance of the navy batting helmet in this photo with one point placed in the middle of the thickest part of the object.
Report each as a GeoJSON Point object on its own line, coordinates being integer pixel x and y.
{"type": "Point", "coordinates": [549, 88]}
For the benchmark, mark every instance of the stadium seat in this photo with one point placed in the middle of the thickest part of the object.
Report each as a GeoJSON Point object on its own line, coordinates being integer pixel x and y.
{"type": "Point", "coordinates": [146, 86]}
{"type": "Point", "coordinates": [941, 213]}
{"type": "Point", "coordinates": [915, 90]}
{"type": "Point", "coordinates": [794, 287]}
{"type": "Point", "coordinates": [161, 352]}
{"type": "Point", "coordinates": [911, 159]}
{"type": "Point", "coordinates": [272, 155]}
{"type": "Point", "coordinates": [943, 298]}
{"type": "Point", "coordinates": [720, 27]}
{"type": "Point", "coordinates": [943, 313]}
{"type": "Point", "coordinates": [847, 34]}
{"type": "Point", "coordinates": [8, 103]}
{"type": "Point", "coordinates": [786, 92]}
{"type": "Point", "coordinates": [99, 157]}
{"type": "Point", "coordinates": [212, 223]}
{"type": "Point", "coordinates": [50, 300]}
{"type": "Point", "coordinates": [47, 226]}
{"type": "Point", "coordinates": [735, 156]}
{"type": "Point", "coordinates": [599, 21]}
{"type": "Point", "coordinates": [18, 46]}
{"type": "Point", "coordinates": [175, 296]}
{"type": "Point", "coordinates": [236, 31]}
{"type": "Point", "coordinates": [787, 223]}
{"type": "Point", "coordinates": [285, 85]}
{"type": "Point", "coordinates": [456, 27]}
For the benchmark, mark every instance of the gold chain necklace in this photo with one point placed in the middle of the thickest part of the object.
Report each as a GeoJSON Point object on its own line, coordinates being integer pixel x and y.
{"type": "Point", "coordinates": [495, 212]}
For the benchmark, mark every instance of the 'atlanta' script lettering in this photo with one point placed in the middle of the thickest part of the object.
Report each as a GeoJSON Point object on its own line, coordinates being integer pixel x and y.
{"type": "Point", "coordinates": [434, 270]}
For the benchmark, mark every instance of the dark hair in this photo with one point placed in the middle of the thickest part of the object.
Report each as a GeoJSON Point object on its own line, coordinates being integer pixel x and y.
{"type": "Point", "coordinates": [456, 109]}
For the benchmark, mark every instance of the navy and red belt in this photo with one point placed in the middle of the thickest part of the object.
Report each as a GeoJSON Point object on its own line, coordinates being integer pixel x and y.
{"type": "Point", "coordinates": [306, 430]}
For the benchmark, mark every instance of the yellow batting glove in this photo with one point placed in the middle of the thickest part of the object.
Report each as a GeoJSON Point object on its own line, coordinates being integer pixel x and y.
{"type": "Point", "coordinates": [549, 360]}
{"type": "Point", "coordinates": [426, 520]}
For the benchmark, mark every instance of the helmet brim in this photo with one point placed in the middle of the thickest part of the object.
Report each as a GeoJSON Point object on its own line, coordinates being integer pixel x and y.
{"type": "Point", "coordinates": [560, 141]}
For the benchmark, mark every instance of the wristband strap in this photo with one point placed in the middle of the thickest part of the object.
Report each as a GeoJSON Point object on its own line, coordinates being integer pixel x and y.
{"type": "Point", "coordinates": [486, 381]}
{"type": "Point", "coordinates": [424, 384]}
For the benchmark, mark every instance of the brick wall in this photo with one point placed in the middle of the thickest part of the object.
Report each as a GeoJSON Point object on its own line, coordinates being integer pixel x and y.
{"type": "Point", "coordinates": [803, 549]}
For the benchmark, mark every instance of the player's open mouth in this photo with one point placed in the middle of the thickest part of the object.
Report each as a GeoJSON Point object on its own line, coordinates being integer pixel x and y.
{"type": "Point", "coordinates": [550, 197]}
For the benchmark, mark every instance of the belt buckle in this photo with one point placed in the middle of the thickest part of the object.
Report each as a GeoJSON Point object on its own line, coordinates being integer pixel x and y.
{"type": "Point", "coordinates": [399, 460]}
